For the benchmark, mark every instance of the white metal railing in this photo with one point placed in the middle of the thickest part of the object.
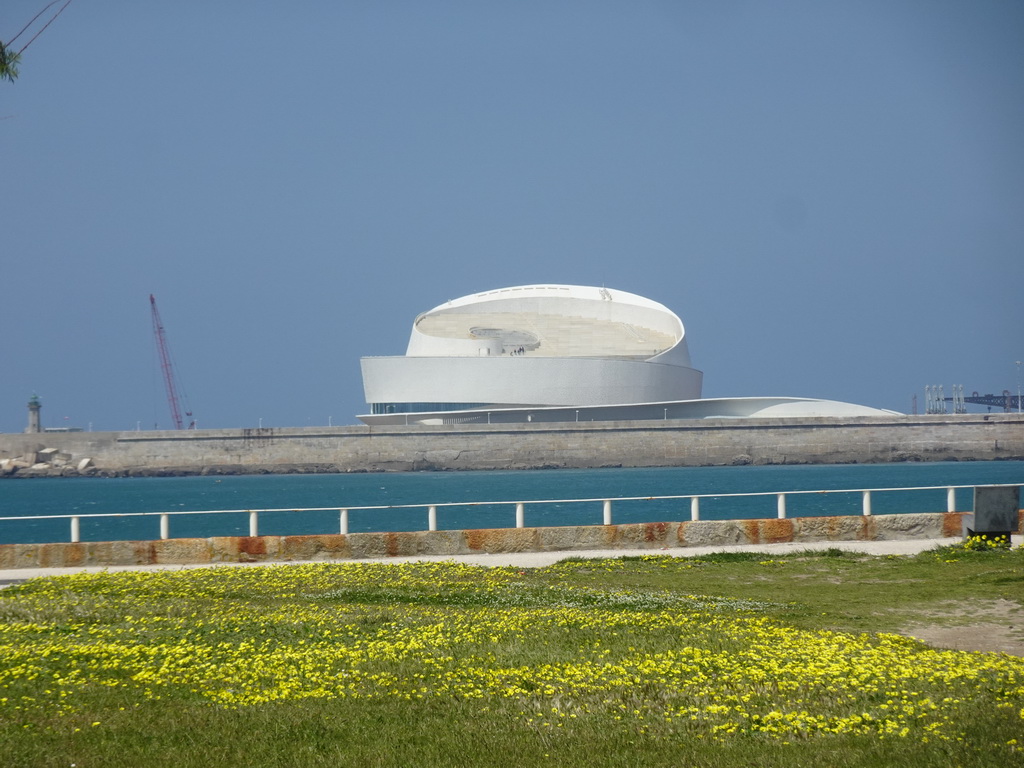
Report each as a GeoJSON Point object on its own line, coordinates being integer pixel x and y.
{"type": "Point", "coordinates": [520, 507]}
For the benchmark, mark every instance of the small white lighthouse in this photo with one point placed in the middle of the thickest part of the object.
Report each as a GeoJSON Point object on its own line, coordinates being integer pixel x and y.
{"type": "Point", "coordinates": [34, 406]}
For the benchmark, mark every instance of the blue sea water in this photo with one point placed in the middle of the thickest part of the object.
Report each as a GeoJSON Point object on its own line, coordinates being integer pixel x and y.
{"type": "Point", "coordinates": [84, 496]}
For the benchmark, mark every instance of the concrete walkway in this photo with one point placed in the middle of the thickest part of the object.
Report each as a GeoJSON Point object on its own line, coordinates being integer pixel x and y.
{"type": "Point", "coordinates": [541, 559]}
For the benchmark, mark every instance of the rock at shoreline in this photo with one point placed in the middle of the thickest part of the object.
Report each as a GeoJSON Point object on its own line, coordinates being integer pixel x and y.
{"type": "Point", "coordinates": [47, 462]}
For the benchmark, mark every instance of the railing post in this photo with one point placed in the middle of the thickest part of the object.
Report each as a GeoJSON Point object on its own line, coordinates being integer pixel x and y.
{"type": "Point", "coordinates": [343, 521]}
{"type": "Point", "coordinates": [254, 523]}
{"type": "Point", "coordinates": [866, 504]}
{"type": "Point", "coordinates": [607, 511]}
{"type": "Point", "coordinates": [695, 508]}
{"type": "Point", "coordinates": [782, 506]}
{"type": "Point", "coordinates": [432, 518]}
{"type": "Point", "coordinates": [75, 530]}
{"type": "Point", "coordinates": [951, 499]}
{"type": "Point", "coordinates": [520, 515]}
{"type": "Point", "coordinates": [165, 526]}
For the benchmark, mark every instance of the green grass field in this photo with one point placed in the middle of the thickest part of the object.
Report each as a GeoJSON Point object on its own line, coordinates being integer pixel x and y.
{"type": "Point", "coordinates": [726, 660]}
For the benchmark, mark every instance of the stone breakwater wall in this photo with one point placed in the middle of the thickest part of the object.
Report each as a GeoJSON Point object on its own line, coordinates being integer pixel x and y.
{"type": "Point", "coordinates": [360, 546]}
{"type": "Point", "coordinates": [706, 442]}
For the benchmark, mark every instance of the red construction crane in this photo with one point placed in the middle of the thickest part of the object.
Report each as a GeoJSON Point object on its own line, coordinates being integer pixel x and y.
{"type": "Point", "coordinates": [167, 367]}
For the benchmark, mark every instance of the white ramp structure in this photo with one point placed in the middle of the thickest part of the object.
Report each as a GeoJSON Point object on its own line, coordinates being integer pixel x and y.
{"type": "Point", "coordinates": [551, 353]}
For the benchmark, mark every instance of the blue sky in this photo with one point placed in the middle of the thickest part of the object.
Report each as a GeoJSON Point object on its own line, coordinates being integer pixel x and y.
{"type": "Point", "coordinates": [830, 195]}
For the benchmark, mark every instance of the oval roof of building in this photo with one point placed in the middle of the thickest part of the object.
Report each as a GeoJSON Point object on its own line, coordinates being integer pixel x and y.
{"type": "Point", "coordinates": [555, 321]}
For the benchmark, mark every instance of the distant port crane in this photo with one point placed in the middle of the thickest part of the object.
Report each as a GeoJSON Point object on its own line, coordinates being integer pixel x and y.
{"type": "Point", "coordinates": [935, 400]}
{"type": "Point", "coordinates": [170, 378]}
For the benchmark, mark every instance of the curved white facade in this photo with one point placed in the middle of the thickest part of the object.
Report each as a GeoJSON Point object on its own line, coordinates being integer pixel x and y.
{"type": "Point", "coordinates": [556, 353]}
{"type": "Point", "coordinates": [536, 346]}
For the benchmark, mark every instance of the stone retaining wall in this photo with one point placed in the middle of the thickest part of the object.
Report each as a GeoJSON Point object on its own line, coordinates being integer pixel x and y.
{"type": "Point", "coordinates": [699, 442]}
{"type": "Point", "coordinates": [653, 536]}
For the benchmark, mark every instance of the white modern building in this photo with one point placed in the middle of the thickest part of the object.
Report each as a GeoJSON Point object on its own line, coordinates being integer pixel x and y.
{"type": "Point", "coordinates": [553, 353]}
